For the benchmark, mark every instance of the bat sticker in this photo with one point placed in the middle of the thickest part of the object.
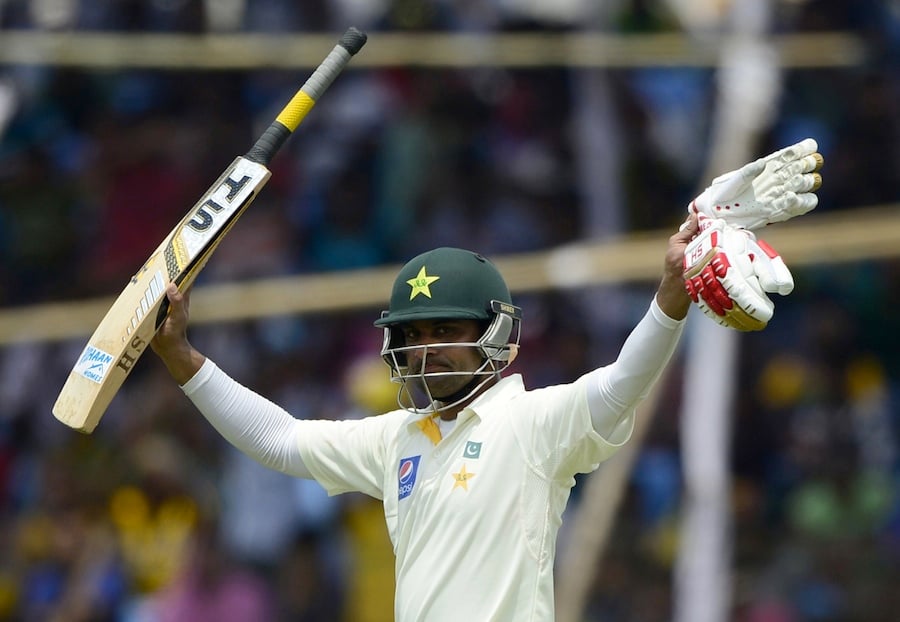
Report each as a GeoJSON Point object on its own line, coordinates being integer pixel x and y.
{"type": "Point", "coordinates": [93, 364]}
{"type": "Point", "coordinates": [226, 197]}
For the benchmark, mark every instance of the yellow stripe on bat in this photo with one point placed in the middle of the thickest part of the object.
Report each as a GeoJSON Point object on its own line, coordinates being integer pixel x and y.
{"type": "Point", "coordinates": [297, 108]}
{"type": "Point", "coordinates": [181, 253]}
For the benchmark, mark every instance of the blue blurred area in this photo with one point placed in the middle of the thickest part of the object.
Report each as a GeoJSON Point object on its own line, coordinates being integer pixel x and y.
{"type": "Point", "coordinates": [153, 518]}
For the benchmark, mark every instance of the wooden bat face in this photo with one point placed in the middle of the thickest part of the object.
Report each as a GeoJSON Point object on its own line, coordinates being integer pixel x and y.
{"type": "Point", "coordinates": [125, 332]}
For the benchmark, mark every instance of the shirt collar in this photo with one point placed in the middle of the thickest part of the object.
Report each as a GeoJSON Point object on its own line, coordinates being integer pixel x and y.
{"type": "Point", "coordinates": [487, 402]}
{"type": "Point", "coordinates": [481, 406]}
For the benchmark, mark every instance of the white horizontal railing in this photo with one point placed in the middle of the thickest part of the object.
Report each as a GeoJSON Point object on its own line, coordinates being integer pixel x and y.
{"type": "Point", "coordinates": [389, 49]}
{"type": "Point", "coordinates": [816, 239]}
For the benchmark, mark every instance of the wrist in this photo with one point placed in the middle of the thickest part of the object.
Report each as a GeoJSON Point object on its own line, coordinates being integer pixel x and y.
{"type": "Point", "coordinates": [672, 297]}
{"type": "Point", "coordinates": [182, 362]}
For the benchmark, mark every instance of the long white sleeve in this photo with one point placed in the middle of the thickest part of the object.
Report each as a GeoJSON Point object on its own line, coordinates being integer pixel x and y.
{"type": "Point", "coordinates": [622, 385]}
{"type": "Point", "coordinates": [256, 426]}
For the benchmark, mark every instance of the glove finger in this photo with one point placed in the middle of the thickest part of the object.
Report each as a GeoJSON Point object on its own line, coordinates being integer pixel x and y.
{"type": "Point", "coordinates": [713, 293]}
{"type": "Point", "coordinates": [741, 320]}
{"type": "Point", "coordinates": [723, 177]}
{"type": "Point", "coordinates": [809, 164]}
{"type": "Point", "coordinates": [813, 162]}
{"type": "Point", "coordinates": [776, 277]}
{"type": "Point", "coordinates": [697, 291]}
{"type": "Point", "coordinates": [733, 184]}
{"type": "Point", "coordinates": [745, 303]}
{"type": "Point", "coordinates": [806, 164]}
{"type": "Point", "coordinates": [777, 156]}
{"type": "Point", "coordinates": [817, 182]}
{"type": "Point", "coordinates": [741, 175]}
{"type": "Point", "coordinates": [797, 151]}
{"type": "Point", "coordinates": [769, 267]}
{"type": "Point", "coordinates": [791, 204]}
{"type": "Point", "coordinates": [719, 319]}
{"type": "Point", "coordinates": [751, 308]}
{"type": "Point", "coordinates": [806, 202]}
{"type": "Point", "coordinates": [749, 172]}
{"type": "Point", "coordinates": [790, 161]}
{"type": "Point", "coordinates": [794, 176]}
{"type": "Point", "coordinates": [804, 183]}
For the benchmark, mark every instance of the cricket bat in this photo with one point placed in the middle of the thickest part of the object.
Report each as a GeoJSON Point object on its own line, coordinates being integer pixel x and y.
{"type": "Point", "coordinates": [134, 318]}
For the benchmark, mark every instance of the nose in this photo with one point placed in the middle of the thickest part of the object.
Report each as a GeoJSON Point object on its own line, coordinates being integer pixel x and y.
{"type": "Point", "coordinates": [418, 358]}
{"type": "Point", "coordinates": [415, 357]}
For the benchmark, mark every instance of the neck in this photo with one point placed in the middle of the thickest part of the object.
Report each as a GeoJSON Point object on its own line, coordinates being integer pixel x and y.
{"type": "Point", "coordinates": [449, 414]}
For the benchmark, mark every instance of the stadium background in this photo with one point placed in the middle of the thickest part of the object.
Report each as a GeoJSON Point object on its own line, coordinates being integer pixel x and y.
{"type": "Point", "coordinates": [103, 146]}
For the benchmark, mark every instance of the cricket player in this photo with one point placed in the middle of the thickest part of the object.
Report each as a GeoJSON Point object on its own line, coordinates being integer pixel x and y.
{"type": "Point", "coordinates": [474, 469]}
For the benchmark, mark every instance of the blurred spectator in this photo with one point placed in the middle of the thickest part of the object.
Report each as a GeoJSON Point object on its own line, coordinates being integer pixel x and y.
{"type": "Point", "coordinates": [211, 586]}
{"type": "Point", "coordinates": [152, 518]}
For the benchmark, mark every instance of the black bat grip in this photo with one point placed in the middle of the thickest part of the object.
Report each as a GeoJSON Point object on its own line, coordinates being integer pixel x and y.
{"type": "Point", "coordinates": [268, 144]}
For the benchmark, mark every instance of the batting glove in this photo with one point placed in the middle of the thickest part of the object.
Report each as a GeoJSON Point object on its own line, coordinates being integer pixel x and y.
{"type": "Point", "coordinates": [727, 273]}
{"type": "Point", "coordinates": [771, 189]}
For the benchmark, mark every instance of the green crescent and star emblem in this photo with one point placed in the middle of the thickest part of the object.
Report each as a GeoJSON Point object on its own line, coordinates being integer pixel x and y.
{"type": "Point", "coordinates": [420, 284]}
{"type": "Point", "coordinates": [472, 450]}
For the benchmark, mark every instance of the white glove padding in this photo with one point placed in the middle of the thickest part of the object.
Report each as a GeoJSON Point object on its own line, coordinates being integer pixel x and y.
{"type": "Point", "coordinates": [772, 189]}
{"type": "Point", "coordinates": [727, 272]}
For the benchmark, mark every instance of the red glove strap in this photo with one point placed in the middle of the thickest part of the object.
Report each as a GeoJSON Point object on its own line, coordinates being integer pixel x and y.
{"type": "Point", "coordinates": [768, 250]}
{"type": "Point", "coordinates": [706, 285]}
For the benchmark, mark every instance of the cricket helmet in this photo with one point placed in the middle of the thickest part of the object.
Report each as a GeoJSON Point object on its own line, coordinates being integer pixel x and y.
{"type": "Point", "coordinates": [442, 284]}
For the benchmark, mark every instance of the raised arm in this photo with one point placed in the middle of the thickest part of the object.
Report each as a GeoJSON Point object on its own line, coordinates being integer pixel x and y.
{"type": "Point", "coordinates": [253, 424]}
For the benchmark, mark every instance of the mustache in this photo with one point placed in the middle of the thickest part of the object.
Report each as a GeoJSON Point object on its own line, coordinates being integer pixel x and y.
{"type": "Point", "coordinates": [427, 359]}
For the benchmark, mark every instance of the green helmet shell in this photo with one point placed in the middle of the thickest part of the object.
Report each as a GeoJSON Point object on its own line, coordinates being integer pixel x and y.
{"type": "Point", "coordinates": [445, 283]}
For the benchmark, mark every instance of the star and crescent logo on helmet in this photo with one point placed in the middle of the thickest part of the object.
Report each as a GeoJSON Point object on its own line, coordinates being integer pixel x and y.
{"type": "Point", "coordinates": [421, 283]}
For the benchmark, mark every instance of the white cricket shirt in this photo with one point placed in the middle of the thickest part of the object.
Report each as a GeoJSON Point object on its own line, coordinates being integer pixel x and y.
{"type": "Point", "coordinates": [473, 516]}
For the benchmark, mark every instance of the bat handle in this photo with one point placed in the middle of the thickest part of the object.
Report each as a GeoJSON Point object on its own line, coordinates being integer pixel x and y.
{"type": "Point", "coordinates": [290, 117]}
{"type": "Point", "coordinates": [268, 144]}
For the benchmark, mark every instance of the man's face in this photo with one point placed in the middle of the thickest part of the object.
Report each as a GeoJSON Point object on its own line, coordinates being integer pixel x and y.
{"type": "Point", "coordinates": [446, 359]}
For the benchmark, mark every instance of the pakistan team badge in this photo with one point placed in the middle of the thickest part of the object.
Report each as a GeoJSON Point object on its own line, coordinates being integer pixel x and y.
{"type": "Point", "coordinates": [461, 479]}
{"type": "Point", "coordinates": [421, 284]}
{"type": "Point", "coordinates": [472, 450]}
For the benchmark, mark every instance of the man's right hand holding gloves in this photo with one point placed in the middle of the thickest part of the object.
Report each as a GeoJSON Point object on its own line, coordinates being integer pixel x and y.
{"type": "Point", "coordinates": [727, 270]}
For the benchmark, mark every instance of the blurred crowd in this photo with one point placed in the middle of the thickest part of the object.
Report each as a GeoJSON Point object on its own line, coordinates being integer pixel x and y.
{"type": "Point", "coordinates": [153, 518]}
